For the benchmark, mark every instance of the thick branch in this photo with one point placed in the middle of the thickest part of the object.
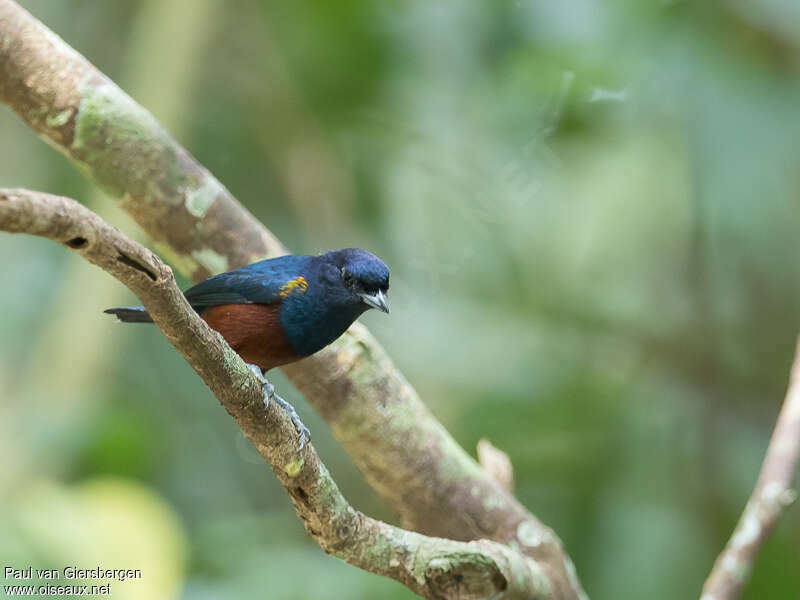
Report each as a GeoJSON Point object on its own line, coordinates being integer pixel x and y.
{"type": "Point", "coordinates": [772, 494]}
{"type": "Point", "coordinates": [403, 451]}
{"type": "Point", "coordinates": [432, 567]}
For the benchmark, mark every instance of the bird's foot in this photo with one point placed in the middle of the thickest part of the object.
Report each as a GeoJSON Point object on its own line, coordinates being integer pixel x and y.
{"type": "Point", "coordinates": [302, 431]}
{"type": "Point", "coordinates": [269, 394]}
{"type": "Point", "coordinates": [266, 386]}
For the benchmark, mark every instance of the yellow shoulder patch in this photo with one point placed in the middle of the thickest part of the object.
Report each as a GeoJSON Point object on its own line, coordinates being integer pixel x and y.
{"type": "Point", "coordinates": [299, 285]}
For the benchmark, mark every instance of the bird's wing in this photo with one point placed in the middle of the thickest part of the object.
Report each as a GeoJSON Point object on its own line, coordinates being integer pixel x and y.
{"type": "Point", "coordinates": [260, 283]}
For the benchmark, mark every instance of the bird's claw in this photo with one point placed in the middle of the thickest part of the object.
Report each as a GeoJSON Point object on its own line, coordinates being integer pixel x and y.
{"type": "Point", "coordinates": [302, 431]}
{"type": "Point", "coordinates": [269, 394]}
{"type": "Point", "coordinates": [266, 386]}
{"type": "Point", "coordinates": [256, 370]}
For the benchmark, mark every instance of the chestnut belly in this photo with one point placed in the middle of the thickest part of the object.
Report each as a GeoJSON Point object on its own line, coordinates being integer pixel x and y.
{"type": "Point", "coordinates": [254, 331]}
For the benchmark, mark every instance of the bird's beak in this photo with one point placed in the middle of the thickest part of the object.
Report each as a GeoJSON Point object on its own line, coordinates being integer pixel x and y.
{"type": "Point", "coordinates": [377, 300]}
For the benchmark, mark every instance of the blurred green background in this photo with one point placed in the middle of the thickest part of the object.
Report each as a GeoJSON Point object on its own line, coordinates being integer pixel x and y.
{"type": "Point", "coordinates": [590, 213]}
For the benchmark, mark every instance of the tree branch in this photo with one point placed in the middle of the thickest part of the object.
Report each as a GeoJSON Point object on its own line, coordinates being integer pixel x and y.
{"type": "Point", "coordinates": [404, 452]}
{"type": "Point", "coordinates": [772, 494]}
{"type": "Point", "coordinates": [432, 567]}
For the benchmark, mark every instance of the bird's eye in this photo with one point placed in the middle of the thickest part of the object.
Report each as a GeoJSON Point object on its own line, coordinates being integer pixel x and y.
{"type": "Point", "coordinates": [348, 277]}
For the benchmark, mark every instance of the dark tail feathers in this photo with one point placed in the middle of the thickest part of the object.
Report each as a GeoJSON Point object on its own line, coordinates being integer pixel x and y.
{"type": "Point", "coordinates": [130, 314]}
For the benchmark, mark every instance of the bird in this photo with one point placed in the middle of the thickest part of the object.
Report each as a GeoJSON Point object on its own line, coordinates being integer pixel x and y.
{"type": "Point", "coordinates": [280, 310]}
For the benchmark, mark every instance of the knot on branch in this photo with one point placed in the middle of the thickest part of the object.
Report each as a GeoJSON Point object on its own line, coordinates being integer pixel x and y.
{"type": "Point", "coordinates": [77, 243]}
{"type": "Point", "coordinates": [132, 262]}
{"type": "Point", "coordinates": [466, 576]}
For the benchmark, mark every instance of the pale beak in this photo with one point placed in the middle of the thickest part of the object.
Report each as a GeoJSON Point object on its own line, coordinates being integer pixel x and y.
{"type": "Point", "coordinates": [377, 300]}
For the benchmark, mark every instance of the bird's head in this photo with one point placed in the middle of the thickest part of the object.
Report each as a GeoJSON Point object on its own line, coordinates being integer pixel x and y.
{"type": "Point", "coordinates": [364, 275]}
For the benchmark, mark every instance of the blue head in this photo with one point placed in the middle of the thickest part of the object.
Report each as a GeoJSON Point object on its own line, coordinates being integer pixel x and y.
{"type": "Point", "coordinates": [342, 284]}
{"type": "Point", "coordinates": [364, 275]}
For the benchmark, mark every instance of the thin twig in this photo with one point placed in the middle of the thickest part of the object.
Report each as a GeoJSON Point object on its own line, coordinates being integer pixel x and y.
{"type": "Point", "coordinates": [772, 494]}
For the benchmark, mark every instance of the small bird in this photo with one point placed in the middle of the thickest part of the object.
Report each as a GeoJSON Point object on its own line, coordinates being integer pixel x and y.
{"type": "Point", "coordinates": [277, 311]}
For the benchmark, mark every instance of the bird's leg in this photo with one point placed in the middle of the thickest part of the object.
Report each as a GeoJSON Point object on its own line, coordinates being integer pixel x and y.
{"type": "Point", "coordinates": [269, 394]}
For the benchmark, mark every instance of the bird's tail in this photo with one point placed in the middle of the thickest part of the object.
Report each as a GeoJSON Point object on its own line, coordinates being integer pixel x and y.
{"type": "Point", "coordinates": [130, 314]}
